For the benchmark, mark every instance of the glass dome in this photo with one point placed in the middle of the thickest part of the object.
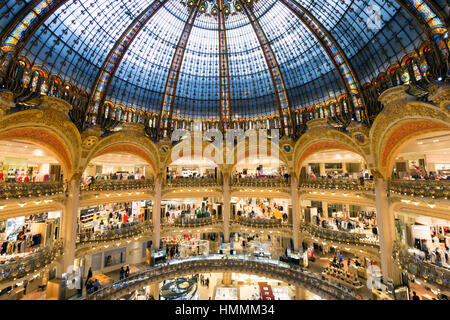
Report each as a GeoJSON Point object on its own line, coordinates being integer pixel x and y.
{"type": "Point", "coordinates": [75, 41]}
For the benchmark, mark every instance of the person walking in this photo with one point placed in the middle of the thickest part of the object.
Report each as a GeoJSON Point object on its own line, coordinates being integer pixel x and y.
{"type": "Point", "coordinates": [415, 296]}
{"type": "Point", "coordinates": [127, 272]}
{"type": "Point", "coordinates": [121, 273]}
{"type": "Point", "coordinates": [89, 275]}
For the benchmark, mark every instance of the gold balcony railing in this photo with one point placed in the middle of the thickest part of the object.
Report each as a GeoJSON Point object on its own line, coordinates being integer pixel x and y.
{"type": "Point", "coordinates": [17, 190]}
{"type": "Point", "coordinates": [191, 223]}
{"type": "Point", "coordinates": [262, 223]}
{"type": "Point", "coordinates": [420, 268]}
{"type": "Point", "coordinates": [114, 234]}
{"type": "Point", "coordinates": [279, 182]}
{"type": "Point", "coordinates": [191, 182]}
{"type": "Point", "coordinates": [20, 267]}
{"type": "Point", "coordinates": [435, 189]}
{"type": "Point", "coordinates": [338, 236]}
{"type": "Point", "coordinates": [220, 263]}
{"type": "Point", "coordinates": [337, 184]}
{"type": "Point", "coordinates": [113, 185]}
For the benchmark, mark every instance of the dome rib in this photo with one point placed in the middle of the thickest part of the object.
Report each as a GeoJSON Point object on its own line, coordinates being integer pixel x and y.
{"type": "Point", "coordinates": [224, 74]}
{"type": "Point", "coordinates": [164, 121]}
{"type": "Point", "coordinates": [116, 54]}
{"type": "Point", "coordinates": [334, 51]}
{"type": "Point", "coordinates": [277, 78]}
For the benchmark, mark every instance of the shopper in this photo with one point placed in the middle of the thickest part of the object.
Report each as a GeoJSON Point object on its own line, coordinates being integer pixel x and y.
{"type": "Point", "coordinates": [89, 275]}
{"type": "Point", "coordinates": [121, 273]}
{"type": "Point", "coordinates": [96, 285]}
{"type": "Point", "coordinates": [127, 272]}
{"type": "Point", "coordinates": [415, 296]}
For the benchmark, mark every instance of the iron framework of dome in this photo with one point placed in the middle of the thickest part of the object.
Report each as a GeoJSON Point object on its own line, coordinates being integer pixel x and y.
{"type": "Point", "coordinates": [273, 63]}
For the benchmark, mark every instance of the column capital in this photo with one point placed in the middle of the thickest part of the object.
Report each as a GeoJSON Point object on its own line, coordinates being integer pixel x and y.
{"type": "Point", "coordinates": [394, 98]}
{"type": "Point", "coordinates": [56, 104]}
{"type": "Point", "coordinates": [6, 102]}
{"type": "Point", "coordinates": [76, 176]}
{"type": "Point", "coordinates": [440, 95]}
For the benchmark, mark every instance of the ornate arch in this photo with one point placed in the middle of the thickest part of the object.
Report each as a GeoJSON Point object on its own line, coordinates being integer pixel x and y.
{"type": "Point", "coordinates": [125, 142]}
{"type": "Point", "coordinates": [321, 137]}
{"type": "Point", "coordinates": [270, 146]}
{"type": "Point", "coordinates": [399, 123]}
{"type": "Point", "coordinates": [51, 130]}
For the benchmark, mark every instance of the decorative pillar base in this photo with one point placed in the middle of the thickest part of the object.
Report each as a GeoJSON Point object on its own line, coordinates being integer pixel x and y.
{"type": "Point", "coordinates": [227, 280]}
{"type": "Point", "coordinates": [300, 293]}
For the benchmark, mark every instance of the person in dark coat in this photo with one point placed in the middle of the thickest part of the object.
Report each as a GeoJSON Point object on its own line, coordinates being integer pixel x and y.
{"type": "Point", "coordinates": [89, 275]}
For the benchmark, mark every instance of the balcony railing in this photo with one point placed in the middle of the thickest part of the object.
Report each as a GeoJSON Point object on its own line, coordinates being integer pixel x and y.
{"type": "Point", "coordinates": [220, 263]}
{"type": "Point", "coordinates": [191, 182]}
{"type": "Point", "coordinates": [113, 185]}
{"type": "Point", "coordinates": [17, 190]}
{"type": "Point", "coordinates": [337, 184]}
{"type": "Point", "coordinates": [435, 189]}
{"type": "Point", "coordinates": [338, 236]}
{"type": "Point", "coordinates": [262, 223]}
{"type": "Point", "coordinates": [17, 268]}
{"type": "Point", "coordinates": [420, 268]}
{"type": "Point", "coordinates": [261, 182]}
{"type": "Point", "coordinates": [115, 234]}
{"type": "Point", "coordinates": [192, 223]}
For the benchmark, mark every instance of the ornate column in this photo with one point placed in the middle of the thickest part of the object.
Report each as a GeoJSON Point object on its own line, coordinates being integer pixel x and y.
{"type": "Point", "coordinates": [226, 280]}
{"type": "Point", "coordinates": [295, 215]}
{"type": "Point", "coordinates": [325, 210]}
{"type": "Point", "coordinates": [386, 230]}
{"type": "Point", "coordinates": [226, 206]}
{"type": "Point", "coordinates": [322, 169]}
{"type": "Point", "coordinates": [154, 290]}
{"type": "Point", "coordinates": [157, 213]}
{"type": "Point", "coordinates": [300, 293]}
{"type": "Point", "coordinates": [69, 222]}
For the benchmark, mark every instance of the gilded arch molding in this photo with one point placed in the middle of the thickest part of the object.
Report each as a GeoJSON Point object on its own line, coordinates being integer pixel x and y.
{"type": "Point", "coordinates": [401, 122]}
{"type": "Point", "coordinates": [125, 142]}
{"type": "Point", "coordinates": [320, 138]}
{"type": "Point", "coordinates": [49, 129]}
{"type": "Point", "coordinates": [272, 150]}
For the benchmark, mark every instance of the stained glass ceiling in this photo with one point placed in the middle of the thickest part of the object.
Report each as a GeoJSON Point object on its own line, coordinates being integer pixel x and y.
{"type": "Point", "coordinates": [75, 41]}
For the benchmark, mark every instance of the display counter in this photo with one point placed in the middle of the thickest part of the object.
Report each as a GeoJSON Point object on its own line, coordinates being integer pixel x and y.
{"type": "Point", "coordinates": [380, 295]}
{"type": "Point", "coordinates": [103, 279]}
{"type": "Point", "coordinates": [223, 293]}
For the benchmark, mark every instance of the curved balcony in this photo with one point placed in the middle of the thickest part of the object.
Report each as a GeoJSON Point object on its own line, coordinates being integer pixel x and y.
{"type": "Point", "coordinates": [220, 263]}
{"type": "Point", "coordinates": [261, 182]}
{"type": "Point", "coordinates": [113, 185]}
{"type": "Point", "coordinates": [193, 223]}
{"type": "Point", "coordinates": [338, 236]}
{"type": "Point", "coordinates": [337, 184]}
{"type": "Point", "coordinates": [17, 268]}
{"type": "Point", "coordinates": [262, 223]}
{"type": "Point", "coordinates": [191, 182]}
{"type": "Point", "coordinates": [420, 268]}
{"type": "Point", "coordinates": [17, 190]}
{"type": "Point", "coordinates": [115, 234]}
{"type": "Point", "coordinates": [435, 189]}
